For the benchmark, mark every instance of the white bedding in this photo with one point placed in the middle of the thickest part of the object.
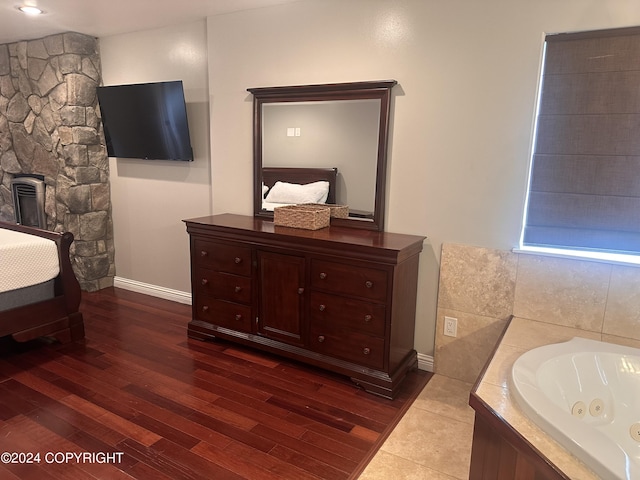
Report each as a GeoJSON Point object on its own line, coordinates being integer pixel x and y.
{"type": "Point", "coordinates": [284, 192]}
{"type": "Point", "coordinates": [26, 260]}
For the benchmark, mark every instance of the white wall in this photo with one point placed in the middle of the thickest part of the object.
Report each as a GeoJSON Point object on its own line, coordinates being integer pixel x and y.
{"type": "Point", "coordinates": [151, 198]}
{"type": "Point", "coordinates": [463, 109]}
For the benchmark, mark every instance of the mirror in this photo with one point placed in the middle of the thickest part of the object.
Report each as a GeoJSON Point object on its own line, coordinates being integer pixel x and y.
{"type": "Point", "coordinates": [333, 132]}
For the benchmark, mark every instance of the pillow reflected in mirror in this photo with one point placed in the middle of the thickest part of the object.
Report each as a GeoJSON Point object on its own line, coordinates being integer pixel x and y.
{"type": "Point", "coordinates": [292, 193]}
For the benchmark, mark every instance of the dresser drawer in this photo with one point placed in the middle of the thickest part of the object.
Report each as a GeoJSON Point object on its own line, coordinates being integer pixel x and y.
{"type": "Point", "coordinates": [223, 286]}
{"type": "Point", "coordinates": [224, 314]}
{"type": "Point", "coordinates": [347, 279]}
{"type": "Point", "coordinates": [335, 311]}
{"type": "Point", "coordinates": [354, 347]}
{"type": "Point", "coordinates": [225, 258]}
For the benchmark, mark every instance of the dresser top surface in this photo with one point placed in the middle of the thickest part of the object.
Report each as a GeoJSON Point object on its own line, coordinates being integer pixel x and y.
{"type": "Point", "coordinates": [344, 235]}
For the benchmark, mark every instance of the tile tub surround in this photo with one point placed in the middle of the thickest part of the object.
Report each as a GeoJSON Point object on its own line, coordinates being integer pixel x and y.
{"type": "Point", "coordinates": [493, 387]}
{"type": "Point", "coordinates": [482, 288]}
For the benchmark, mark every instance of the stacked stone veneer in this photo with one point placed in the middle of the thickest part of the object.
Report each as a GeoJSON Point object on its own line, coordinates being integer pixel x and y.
{"type": "Point", "coordinates": [49, 125]}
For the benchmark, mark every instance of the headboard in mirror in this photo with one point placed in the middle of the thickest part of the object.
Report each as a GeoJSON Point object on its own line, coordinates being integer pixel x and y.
{"type": "Point", "coordinates": [301, 177]}
{"type": "Point", "coordinates": [313, 128]}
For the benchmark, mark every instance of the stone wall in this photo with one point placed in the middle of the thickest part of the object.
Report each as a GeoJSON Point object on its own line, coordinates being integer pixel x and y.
{"type": "Point", "coordinates": [50, 125]}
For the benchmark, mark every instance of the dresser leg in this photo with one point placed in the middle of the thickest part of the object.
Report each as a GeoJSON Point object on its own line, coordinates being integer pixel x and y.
{"type": "Point", "coordinates": [198, 332]}
{"type": "Point", "coordinates": [384, 385]}
{"type": "Point", "coordinates": [386, 391]}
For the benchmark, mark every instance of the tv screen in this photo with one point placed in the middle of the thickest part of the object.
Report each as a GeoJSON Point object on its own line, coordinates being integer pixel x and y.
{"type": "Point", "coordinates": [147, 120]}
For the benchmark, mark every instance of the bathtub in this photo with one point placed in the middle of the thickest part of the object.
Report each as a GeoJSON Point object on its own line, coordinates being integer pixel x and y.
{"type": "Point", "coordinates": [586, 395]}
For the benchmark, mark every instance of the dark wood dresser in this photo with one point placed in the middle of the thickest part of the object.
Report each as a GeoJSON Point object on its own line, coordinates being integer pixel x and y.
{"type": "Point", "coordinates": [339, 298]}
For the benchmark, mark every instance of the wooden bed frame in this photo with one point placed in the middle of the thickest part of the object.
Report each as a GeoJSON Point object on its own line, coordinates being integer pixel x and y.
{"type": "Point", "coordinates": [270, 175]}
{"type": "Point", "coordinates": [58, 317]}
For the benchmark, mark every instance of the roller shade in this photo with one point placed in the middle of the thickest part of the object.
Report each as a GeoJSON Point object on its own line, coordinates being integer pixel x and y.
{"type": "Point", "coordinates": [584, 190]}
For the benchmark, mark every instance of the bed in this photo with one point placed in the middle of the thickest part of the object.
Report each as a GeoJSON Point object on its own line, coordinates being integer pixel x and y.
{"type": "Point", "coordinates": [298, 177]}
{"type": "Point", "coordinates": [37, 297]}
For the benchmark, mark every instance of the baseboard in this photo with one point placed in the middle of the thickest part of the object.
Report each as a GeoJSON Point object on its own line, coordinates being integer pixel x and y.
{"type": "Point", "coordinates": [425, 362]}
{"type": "Point", "coordinates": [153, 290]}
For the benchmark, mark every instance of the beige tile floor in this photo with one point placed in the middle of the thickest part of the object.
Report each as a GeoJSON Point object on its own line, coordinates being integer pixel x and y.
{"type": "Point", "coordinates": [433, 439]}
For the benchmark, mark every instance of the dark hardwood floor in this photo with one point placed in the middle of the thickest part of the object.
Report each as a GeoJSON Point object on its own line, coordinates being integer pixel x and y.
{"type": "Point", "coordinates": [137, 399]}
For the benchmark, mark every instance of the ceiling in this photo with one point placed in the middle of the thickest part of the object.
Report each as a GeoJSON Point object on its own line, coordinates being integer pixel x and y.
{"type": "Point", "coordinates": [101, 18]}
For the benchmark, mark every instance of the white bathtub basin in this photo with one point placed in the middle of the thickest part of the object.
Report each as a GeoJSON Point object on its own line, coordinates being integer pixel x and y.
{"type": "Point", "coordinates": [586, 395]}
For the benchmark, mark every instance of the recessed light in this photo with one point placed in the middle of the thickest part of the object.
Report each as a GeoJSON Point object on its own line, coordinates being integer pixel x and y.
{"type": "Point", "coordinates": [29, 10]}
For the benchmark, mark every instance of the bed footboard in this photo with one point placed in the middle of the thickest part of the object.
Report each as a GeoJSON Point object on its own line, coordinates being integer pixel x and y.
{"type": "Point", "coordinates": [58, 317]}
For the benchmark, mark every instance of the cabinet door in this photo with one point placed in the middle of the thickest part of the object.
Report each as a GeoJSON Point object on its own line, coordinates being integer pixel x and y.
{"type": "Point", "coordinates": [281, 297]}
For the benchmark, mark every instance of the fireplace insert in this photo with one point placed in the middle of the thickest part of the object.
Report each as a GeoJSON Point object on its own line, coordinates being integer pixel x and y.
{"type": "Point", "coordinates": [28, 192]}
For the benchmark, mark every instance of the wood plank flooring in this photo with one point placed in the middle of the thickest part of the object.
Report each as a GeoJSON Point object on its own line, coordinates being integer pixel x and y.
{"type": "Point", "coordinates": [138, 399]}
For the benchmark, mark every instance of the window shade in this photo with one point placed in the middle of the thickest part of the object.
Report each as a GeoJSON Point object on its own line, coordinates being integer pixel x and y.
{"type": "Point", "coordinates": [584, 190]}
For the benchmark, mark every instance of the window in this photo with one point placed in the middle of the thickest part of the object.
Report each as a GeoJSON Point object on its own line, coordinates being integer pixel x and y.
{"type": "Point", "coordinates": [584, 188]}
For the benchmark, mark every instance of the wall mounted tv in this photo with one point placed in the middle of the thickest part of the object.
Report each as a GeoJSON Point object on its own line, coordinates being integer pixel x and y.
{"type": "Point", "coordinates": [146, 120]}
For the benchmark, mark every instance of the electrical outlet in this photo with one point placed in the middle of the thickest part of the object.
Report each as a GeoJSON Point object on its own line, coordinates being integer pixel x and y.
{"type": "Point", "coordinates": [451, 326]}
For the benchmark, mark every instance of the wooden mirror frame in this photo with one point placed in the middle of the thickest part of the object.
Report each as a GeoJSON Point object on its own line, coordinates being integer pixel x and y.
{"type": "Point", "coordinates": [324, 92]}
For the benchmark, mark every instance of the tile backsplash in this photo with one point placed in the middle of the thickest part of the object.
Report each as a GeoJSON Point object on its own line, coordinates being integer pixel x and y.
{"type": "Point", "coordinates": [483, 287]}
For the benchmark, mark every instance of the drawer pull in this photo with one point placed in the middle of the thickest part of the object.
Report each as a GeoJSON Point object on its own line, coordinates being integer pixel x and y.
{"type": "Point", "coordinates": [203, 253]}
{"type": "Point", "coordinates": [323, 275]}
{"type": "Point", "coordinates": [320, 338]}
{"type": "Point", "coordinates": [238, 289]}
{"type": "Point", "coordinates": [367, 318]}
{"type": "Point", "coordinates": [300, 291]}
{"type": "Point", "coordinates": [204, 281]}
{"type": "Point", "coordinates": [366, 351]}
{"type": "Point", "coordinates": [368, 284]}
{"type": "Point", "coordinates": [238, 317]}
{"type": "Point", "coordinates": [322, 307]}
{"type": "Point", "coordinates": [237, 260]}
{"type": "Point", "coordinates": [205, 308]}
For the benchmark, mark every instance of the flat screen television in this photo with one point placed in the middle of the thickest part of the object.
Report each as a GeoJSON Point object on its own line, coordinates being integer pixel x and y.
{"type": "Point", "coordinates": [146, 120]}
